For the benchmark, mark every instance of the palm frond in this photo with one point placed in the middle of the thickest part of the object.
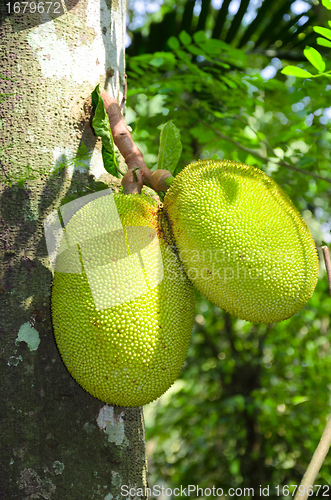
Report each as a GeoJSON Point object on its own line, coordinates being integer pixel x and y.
{"type": "Point", "coordinates": [275, 27]}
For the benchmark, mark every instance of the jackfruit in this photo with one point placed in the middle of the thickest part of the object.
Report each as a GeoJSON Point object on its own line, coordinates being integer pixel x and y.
{"type": "Point", "coordinates": [122, 330]}
{"type": "Point", "coordinates": [241, 240]}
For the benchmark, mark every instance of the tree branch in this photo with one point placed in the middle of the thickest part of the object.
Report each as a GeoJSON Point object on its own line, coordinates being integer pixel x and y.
{"type": "Point", "coordinates": [327, 261]}
{"type": "Point", "coordinates": [262, 157]}
{"type": "Point", "coordinates": [325, 442]}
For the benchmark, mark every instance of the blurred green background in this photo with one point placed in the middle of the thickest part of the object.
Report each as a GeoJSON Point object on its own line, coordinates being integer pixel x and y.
{"type": "Point", "coordinates": [252, 400]}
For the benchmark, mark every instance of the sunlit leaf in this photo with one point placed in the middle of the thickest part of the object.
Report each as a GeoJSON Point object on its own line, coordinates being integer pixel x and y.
{"type": "Point", "coordinates": [173, 43]}
{"type": "Point", "coordinates": [324, 42]}
{"type": "Point", "coordinates": [299, 399]}
{"type": "Point", "coordinates": [294, 71]}
{"type": "Point", "coordinates": [315, 58]}
{"type": "Point", "coordinates": [326, 4]}
{"type": "Point", "coordinates": [323, 31]}
{"type": "Point", "coordinates": [200, 36]}
{"type": "Point", "coordinates": [185, 38]}
{"type": "Point", "coordinates": [170, 147]}
{"type": "Point", "coordinates": [156, 61]}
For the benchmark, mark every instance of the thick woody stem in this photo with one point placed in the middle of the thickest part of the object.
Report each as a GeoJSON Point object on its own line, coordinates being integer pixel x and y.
{"type": "Point", "coordinates": [138, 173]}
{"type": "Point", "coordinates": [123, 140]}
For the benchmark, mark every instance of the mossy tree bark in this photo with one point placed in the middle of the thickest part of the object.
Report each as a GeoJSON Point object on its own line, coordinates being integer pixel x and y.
{"type": "Point", "coordinates": [58, 442]}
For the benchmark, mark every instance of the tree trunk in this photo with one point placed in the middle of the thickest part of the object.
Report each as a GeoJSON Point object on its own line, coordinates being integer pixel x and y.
{"type": "Point", "coordinates": [58, 442]}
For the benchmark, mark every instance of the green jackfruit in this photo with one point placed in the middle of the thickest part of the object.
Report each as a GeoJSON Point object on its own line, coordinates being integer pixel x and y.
{"type": "Point", "coordinates": [124, 341]}
{"type": "Point", "coordinates": [242, 242]}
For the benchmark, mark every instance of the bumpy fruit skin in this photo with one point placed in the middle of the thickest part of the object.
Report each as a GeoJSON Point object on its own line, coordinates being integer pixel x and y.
{"type": "Point", "coordinates": [242, 242]}
{"type": "Point", "coordinates": [129, 354]}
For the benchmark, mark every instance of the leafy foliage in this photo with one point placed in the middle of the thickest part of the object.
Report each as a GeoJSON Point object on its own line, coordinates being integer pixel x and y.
{"type": "Point", "coordinates": [252, 401]}
{"type": "Point", "coordinates": [251, 404]}
{"type": "Point", "coordinates": [313, 56]}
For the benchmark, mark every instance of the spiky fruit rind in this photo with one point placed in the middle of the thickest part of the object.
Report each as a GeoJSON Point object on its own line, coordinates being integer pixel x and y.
{"type": "Point", "coordinates": [242, 242]}
{"type": "Point", "coordinates": [130, 354]}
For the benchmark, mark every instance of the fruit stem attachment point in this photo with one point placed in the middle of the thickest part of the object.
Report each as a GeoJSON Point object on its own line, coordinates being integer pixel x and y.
{"type": "Point", "coordinates": [161, 180]}
{"type": "Point", "coordinates": [168, 181]}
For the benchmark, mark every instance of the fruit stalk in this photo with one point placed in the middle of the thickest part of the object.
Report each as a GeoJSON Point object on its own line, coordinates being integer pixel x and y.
{"type": "Point", "coordinates": [138, 173]}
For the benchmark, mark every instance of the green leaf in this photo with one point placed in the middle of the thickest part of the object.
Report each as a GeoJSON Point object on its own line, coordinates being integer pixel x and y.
{"type": "Point", "coordinates": [156, 62]}
{"type": "Point", "coordinates": [183, 56]}
{"type": "Point", "coordinates": [315, 58]}
{"type": "Point", "coordinates": [102, 129]}
{"type": "Point", "coordinates": [95, 97]}
{"type": "Point", "coordinates": [199, 37]}
{"type": "Point", "coordinates": [294, 71]}
{"type": "Point", "coordinates": [326, 4]}
{"type": "Point", "coordinates": [215, 48]}
{"type": "Point", "coordinates": [323, 31]}
{"type": "Point", "coordinates": [229, 82]}
{"type": "Point", "coordinates": [296, 400]}
{"type": "Point", "coordinates": [170, 147]}
{"type": "Point", "coordinates": [234, 466]}
{"type": "Point", "coordinates": [323, 42]}
{"type": "Point", "coordinates": [173, 43]}
{"type": "Point", "coordinates": [196, 51]}
{"type": "Point", "coordinates": [185, 38]}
